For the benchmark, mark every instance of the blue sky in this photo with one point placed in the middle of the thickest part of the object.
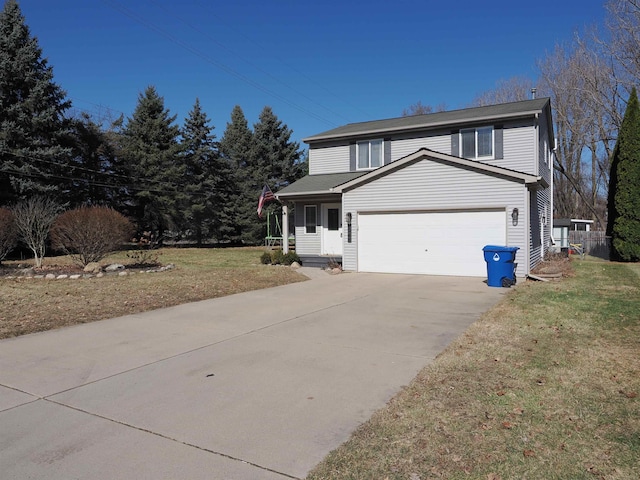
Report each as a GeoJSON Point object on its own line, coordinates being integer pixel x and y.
{"type": "Point", "coordinates": [317, 64]}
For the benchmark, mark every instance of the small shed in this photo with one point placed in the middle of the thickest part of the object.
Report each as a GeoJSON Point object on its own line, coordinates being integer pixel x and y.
{"type": "Point", "coordinates": [561, 228]}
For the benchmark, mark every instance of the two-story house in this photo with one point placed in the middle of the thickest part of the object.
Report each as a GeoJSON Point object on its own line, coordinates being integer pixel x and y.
{"type": "Point", "coordinates": [424, 194]}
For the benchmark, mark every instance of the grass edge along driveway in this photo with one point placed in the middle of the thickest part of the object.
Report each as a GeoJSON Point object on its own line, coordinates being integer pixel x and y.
{"type": "Point", "coordinates": [545, 385]}
{"type": "Point", "coordinates": [29, 305]}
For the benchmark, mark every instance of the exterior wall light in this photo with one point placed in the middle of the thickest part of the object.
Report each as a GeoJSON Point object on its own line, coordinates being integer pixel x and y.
{"type": "Point", "coordinates": [514, 216]}
{"type": "Point", "coordinates": [348, 218]}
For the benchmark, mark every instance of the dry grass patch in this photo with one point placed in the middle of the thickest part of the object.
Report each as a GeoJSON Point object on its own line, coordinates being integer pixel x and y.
{"type": "Point", "coordinates": [545, 386]}
{"type": "Point", "coordinates": [33, 305]}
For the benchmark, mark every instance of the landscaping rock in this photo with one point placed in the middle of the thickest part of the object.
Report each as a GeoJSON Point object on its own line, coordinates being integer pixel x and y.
{"type": "Point", "coordinates": [62, 276]}
{"type": "Point", "coordinates": [122, 274]}
{"type": "Point", "coordinates": [75, 277]}
{"type": "Point", "coordinates": [100, 275]}
{"type": "Point", "coordinates": [114, 267]}
{"type": "Point", "coordinates": [92, 267]}
{"type": "Point", "coordinates": [50, 276]}
{"type": "Point", "coordinates": [295, 265]}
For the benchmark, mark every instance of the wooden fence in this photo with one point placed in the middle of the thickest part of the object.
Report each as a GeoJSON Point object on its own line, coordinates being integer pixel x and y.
{"type": "Point", "coordinates": [594, 243]}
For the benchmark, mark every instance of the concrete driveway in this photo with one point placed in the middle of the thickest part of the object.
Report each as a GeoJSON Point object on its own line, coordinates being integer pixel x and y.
{"type": "Point", "coordinates": [260, 385]}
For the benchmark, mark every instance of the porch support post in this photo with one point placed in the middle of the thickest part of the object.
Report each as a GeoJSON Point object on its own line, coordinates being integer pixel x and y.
{"type": "Point", "coordinates": [285, 228]}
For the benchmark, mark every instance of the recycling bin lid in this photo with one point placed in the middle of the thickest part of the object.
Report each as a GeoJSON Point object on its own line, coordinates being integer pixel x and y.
{"type": "Point", "coordinates": [499, 248]}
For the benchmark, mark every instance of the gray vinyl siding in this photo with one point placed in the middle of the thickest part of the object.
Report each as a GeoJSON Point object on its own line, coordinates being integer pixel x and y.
{"type": "Point", "coordinates": [519, 149]}
{"type": "Point", "coordinates": [545, 161]}
{"type": "Point", "coordinates": [307, 243]}
{"type": "Point", "coordinates": [404, 147]}
{"type": "Point", "coordinates": [429, 185]}
{"type": "Point", "coordinates": [540, 239]}
{"type": "Point", "coordinates": [334, 159]}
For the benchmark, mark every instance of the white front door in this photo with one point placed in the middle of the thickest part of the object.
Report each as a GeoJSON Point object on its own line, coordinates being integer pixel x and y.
{"type": "Point", "coordinates": [331, 229]}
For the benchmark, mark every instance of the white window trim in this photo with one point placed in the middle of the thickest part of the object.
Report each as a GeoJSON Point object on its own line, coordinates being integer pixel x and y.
{"type": "Point", "coordinates": [475, 130]}
{"type": "Point", "coordinates": [368, 142]}
{"type": "Point", "coordinates": [315, 207]}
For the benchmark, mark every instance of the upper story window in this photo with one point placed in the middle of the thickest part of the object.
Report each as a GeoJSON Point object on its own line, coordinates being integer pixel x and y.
{"type": "Point", "coordinates": [477, 142]}
{"type": "Point", "coordinates": [370, 154]}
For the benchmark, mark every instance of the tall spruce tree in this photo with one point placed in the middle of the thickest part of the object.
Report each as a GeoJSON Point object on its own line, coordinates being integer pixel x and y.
{"type": "Point", "coordinates": [624, 187]}
{"type": "Point", "coordinates": [235, 148]}
{"type": "Point", "coordinates": [32, 107]}
{"type": "Point", "coordinates": [151, 151]}
{"type": "Point", "coordinates": [206, 179]}
{"type": "Point", "coordinates": [277, 161]}
{"type": "Point", "coordinates": [91, 180]}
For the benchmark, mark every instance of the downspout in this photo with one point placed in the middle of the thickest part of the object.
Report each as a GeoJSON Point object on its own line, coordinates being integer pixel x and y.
{"type": "Point", "coordinates": [527, 243]}
{"type": "Point", "coordinates": [552, 161]}
{"type": "Point", "coordinates": [285, 228]}
{"type": "Point", "coordinates": [536, 133]}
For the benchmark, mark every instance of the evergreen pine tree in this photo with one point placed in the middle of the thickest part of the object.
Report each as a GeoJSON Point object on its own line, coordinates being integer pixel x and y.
{"type": "Point", "coordinates": [624, 187]}
{"type": "Point", "coordinates": [235, 148]}
{"type": "Point", "coordinates": [277, 161]}
{"type": "Point", "coordinates": [152, 152]}
{"type": "Point", "coordinates": [90, 167]}
{"type": "Point", "coordinates": [206, 178]}
{"type": "Point", "coordinates": [32, 111]}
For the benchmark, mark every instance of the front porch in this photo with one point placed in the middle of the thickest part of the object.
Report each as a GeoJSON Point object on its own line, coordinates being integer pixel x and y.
{"type": "Point", "coordinates": [320, 261]}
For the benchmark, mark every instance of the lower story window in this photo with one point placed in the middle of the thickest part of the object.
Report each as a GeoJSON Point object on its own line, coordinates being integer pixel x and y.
{"type": "Point", "coordinates": [310, 218]}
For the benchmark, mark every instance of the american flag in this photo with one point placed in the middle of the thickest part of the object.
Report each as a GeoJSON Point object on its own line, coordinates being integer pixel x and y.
{"type": "Point", "coordinates": [265, 196]}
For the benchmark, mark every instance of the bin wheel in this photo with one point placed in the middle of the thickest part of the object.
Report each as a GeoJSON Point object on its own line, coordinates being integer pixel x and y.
{"type": "Point", "coordinates": [507, 282]}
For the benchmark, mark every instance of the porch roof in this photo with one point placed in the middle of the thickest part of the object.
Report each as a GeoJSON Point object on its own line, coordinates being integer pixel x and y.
{"type": "Point", "coordinates": [317, 184]}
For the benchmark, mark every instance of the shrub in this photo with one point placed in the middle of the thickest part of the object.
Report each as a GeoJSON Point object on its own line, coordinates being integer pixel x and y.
{"type": "Point", "coordinates": [265, 258]}
{"type": "Point", "coordinates": [146, 255]}
{"type": "Point", "coordinates": [8, 232]}
{"type": "Point", "coordinates": [277, 257]}
{"type": "Point", "coordinates": [88, 234]}
{"type": "Point", "coordinates": [291, 257]}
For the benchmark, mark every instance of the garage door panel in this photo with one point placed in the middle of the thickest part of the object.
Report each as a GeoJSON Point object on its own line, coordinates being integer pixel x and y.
{"type": "Point", "coordinates": [435, 243]}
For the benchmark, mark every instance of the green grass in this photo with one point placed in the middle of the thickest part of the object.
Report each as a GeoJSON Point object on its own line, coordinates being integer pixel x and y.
{"type": "Point", "coordinates": [545, 386]}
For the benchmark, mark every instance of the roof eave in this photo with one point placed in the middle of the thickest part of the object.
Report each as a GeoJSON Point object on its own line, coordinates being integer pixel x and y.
{"type": "Point", "coordinates": [304, 194]}
{"type": "Point", "coordinates": [424, 126]}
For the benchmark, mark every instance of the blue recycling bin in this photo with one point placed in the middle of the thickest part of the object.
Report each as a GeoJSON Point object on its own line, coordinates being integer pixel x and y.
{"type": "Point", "coordinates": [501, 266]}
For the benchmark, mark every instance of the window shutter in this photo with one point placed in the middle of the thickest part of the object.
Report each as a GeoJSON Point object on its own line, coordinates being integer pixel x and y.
{"type": "Point", "coordinates": [499, 146]}
{"type": "Point", "coordinates": [352, 157]}
{"type": "Point", "coordinates": [455, 143]}
{"type": "Point", "coordinates": [387, 150]}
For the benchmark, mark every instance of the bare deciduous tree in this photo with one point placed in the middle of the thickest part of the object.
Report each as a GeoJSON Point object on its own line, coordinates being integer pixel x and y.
{"type": "Point", "coordinates": [513, 89]}
{"type": "Point", "coordinates": [8, 232]}
{"type": "Point", "coordinates": [34, 218]}
{"type": "Point", "coordinates": [623, 41]}
{"type": "Point", "coordinates": [419, 109]}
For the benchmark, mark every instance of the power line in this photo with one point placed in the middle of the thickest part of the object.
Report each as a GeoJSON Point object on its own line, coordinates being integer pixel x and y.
{"type": "Point", "coordinates": [221, 45]}
{"type": "Point", "coordinates": [285, 63]}
{"type": "Point", "coordinates": [139, 186]}
{"type": "Point", "coordinates": [127, 12]}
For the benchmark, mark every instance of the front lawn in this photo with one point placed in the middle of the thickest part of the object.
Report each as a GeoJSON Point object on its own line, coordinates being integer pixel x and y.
{"type": "Point", "coordinates": [545, 386]}
{"type": "Point", "coordinates": [31, 305]}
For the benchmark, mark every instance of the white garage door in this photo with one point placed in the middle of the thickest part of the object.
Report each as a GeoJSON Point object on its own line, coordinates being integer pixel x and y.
{"type": "Point", "coordinates": [434, 243]}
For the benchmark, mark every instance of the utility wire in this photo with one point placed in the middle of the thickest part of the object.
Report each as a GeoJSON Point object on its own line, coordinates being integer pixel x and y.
{"type": "Point", "coordinates": [285, 63]}
{"type": "Point", "coordinates": [221, 45]}
{"type": "Point", "coordinates": [160, 185]}
{"type": "Point", "coordinates": [127, 12]}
